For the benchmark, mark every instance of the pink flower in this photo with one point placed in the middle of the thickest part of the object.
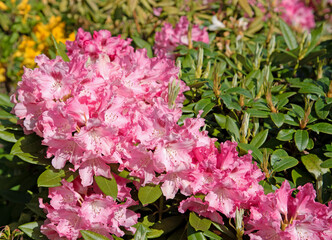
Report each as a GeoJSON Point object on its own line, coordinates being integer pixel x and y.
{"type": "Point", "coordinates": [280, 216]}
{"type": "Point", "coordinates": [73, 208]}
{"type": "Point", "coordinates": [168, 38]}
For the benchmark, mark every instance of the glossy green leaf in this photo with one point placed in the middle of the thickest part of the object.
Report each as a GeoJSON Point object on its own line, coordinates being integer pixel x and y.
{"type": "Point", "coordinates": [312, 88]}
{"type": "Point", "coordinates": [255, 151]}
{"type": "Point", "coordinates": [143, 44]}
{"type": "Point", "coordinates": [32, 229]}
{"type": "Point", "coordinates": [107, 186]}
{"type": "Point", "coordinates": [212, 235]}
{"type": "Point", "coordinates": [224, 230]}
{"type": "Point", "coordinates": [29, 149]}
{"type": "Point", "coordinates": [298, 110]}
{"type": "Point", "coordinates": [193, 235]}
{"type": "Point", "coordinates": [301, 138]}
{"type": "Point", "coordinates": [327, 163]}
{"type": "Point", "coordinates": [149, 194]}
{"type": "Point", "coordinates": [284, 163]}
{"type": "Point", "coordinates": [199, 224]}
{"type": "Point", "coordinates": [311, 144]}
{"type": "Point", "coordinates": [322, 110]}
{"type": "Point", "coordinates": [90, 235]}
{"type": "Point", "coordinates": [288, 34]}
{"type": "Point", "coordinates": [10, 136]}
{"type": "Point", "coordinates": [278, 119]}
{"type": "Point", "coordinates": [221, 120]}
{"type": "Point", "coordinates": [60, 50]}
{"type": "Point", "coordinates": [258, 113]}
{"type": "Point", "coordinates": [286, 134]}
{"type": "Point", "coordinates": [313, 164]}
{"type": "Point", "coordinates": [141, 232]}
{"type": "Point", "coordinates": [291, 121]}
{"type": "Point", "coordinates": [321, 127]}
{"type": "Point", "coordinates": [232, 127]}
{"type": "Point", "coordinates": [260, 138]}
{"type": "Point", "coordinates": [51, 178]}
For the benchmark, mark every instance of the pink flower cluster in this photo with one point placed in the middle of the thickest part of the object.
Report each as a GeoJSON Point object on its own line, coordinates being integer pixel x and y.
{"type": "Point", "coordinates": [227, 181]}
{"type": "Point", "coordinates": [295, 12]}
{"type": "Point", "coordinates": [112, 105]}
{"type": "Point", "coordinates": [169, 38]}
{"type": "Point", "coordinates": [73, 208]}
{"type": "Point", "coordinates": [108, 104]}
{"type": "Point", "coordinates": [279, 216]}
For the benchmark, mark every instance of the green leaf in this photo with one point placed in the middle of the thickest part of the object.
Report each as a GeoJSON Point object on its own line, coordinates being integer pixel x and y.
{"type": "Point", "coordinates": [141, 231]}
{"type": "Point", "coordinates": [315, 36]}
{"type": "Point", "coordinates": [278, 119]}
{"type": "Point", "coordinates": [260, 138]}
{"type": "Point", "coordinates": [322, 110]}
{"type": "Point", "coordinates": [5, 100]}
{"type": "Point", "coordinates": [258, 113]}
{"type": "Point", "coordinates": [149, 194]}
{"type": "Point", "coordinates": [267, 186]}
{"type": "Point", "coordinates": [299, 112]}
{"type": "Point", "coordinates": [60, 50]}
{"type": "Point", "coordinates": [255, 152]}
{"type": "Point", "coordinates": [301, 138]}
{"type": "Point", "coordinates": [212, 235]}
{"type": "Point", "coordinates": [312, 88]}
{"type": "Point", "coordinates": [246, 7]}
{"type": "Point", "coordinates": [281, 161]}
{"type": "Point", "coordinates": [199, 224]}
{"type": "Point", "coordinates": [5, 115]}
{"type": "Point", "coordinates": [155, 233]}
{"type": "Point", "coordinates": [10, 136]}
{"type": "Point", "coordinates": [321, 127]}
{"type": "Point", "coordinates": [313, 164]}
{"type": "Point", "coordinates": [284, 163]}
{"type": "Point", "coordinates": [221, 120]}
{"type": "Point", "coordinates": [311, 144]}
{"type": "Point", "coordinates": [204, 104]}
{"type": "Point", "coordinates": [108, 186]}
{"type": "Point", "coordinates": [224, 230]}
{"type": "Point", "coordinates": [143, 44]}
{"type": "Point", "coordinates": [89, 235]}
{"type": "Point", "coordinates": [29, 149]}
{"type": "Point", "coordinates": [232, 128]}
{"type": "Point", "coordinates": [239, 90]}
{"type": "Point", "coordinates": [327, 163]}
{"type": "Point", "coordinates": [288, 34]}
{"type": "Point", "coordinates": [286, 134]}
{"type": "Point", "coordinates": [51, 178]}
{"type": "Point", "coordinates": [193, 235]}
{"type": "Point", "coordinates": [32, 229]}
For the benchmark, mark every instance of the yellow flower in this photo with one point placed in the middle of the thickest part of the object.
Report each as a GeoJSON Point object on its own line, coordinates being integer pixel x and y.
{"type": "Point", "coordinates": [3, 6]}
{"type": "Point", "coordinates": [71, 37]}
{"type": "Point", "coordinates": [41, 32]}
{"type": "Point", "coordinates": [2, 73]}
{"type": "Point", "coordinates": [24, 9]}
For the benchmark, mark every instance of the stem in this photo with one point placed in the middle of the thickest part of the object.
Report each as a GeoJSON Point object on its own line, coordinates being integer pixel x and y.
{"type": "Point", "coordinates": [136, 22]}
{"type": "Point", "coordinates": [161, 206]}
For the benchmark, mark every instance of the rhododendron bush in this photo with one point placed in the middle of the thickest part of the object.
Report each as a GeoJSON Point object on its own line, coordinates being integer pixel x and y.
{"type": "Point", "coordinates": [217, 129]}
